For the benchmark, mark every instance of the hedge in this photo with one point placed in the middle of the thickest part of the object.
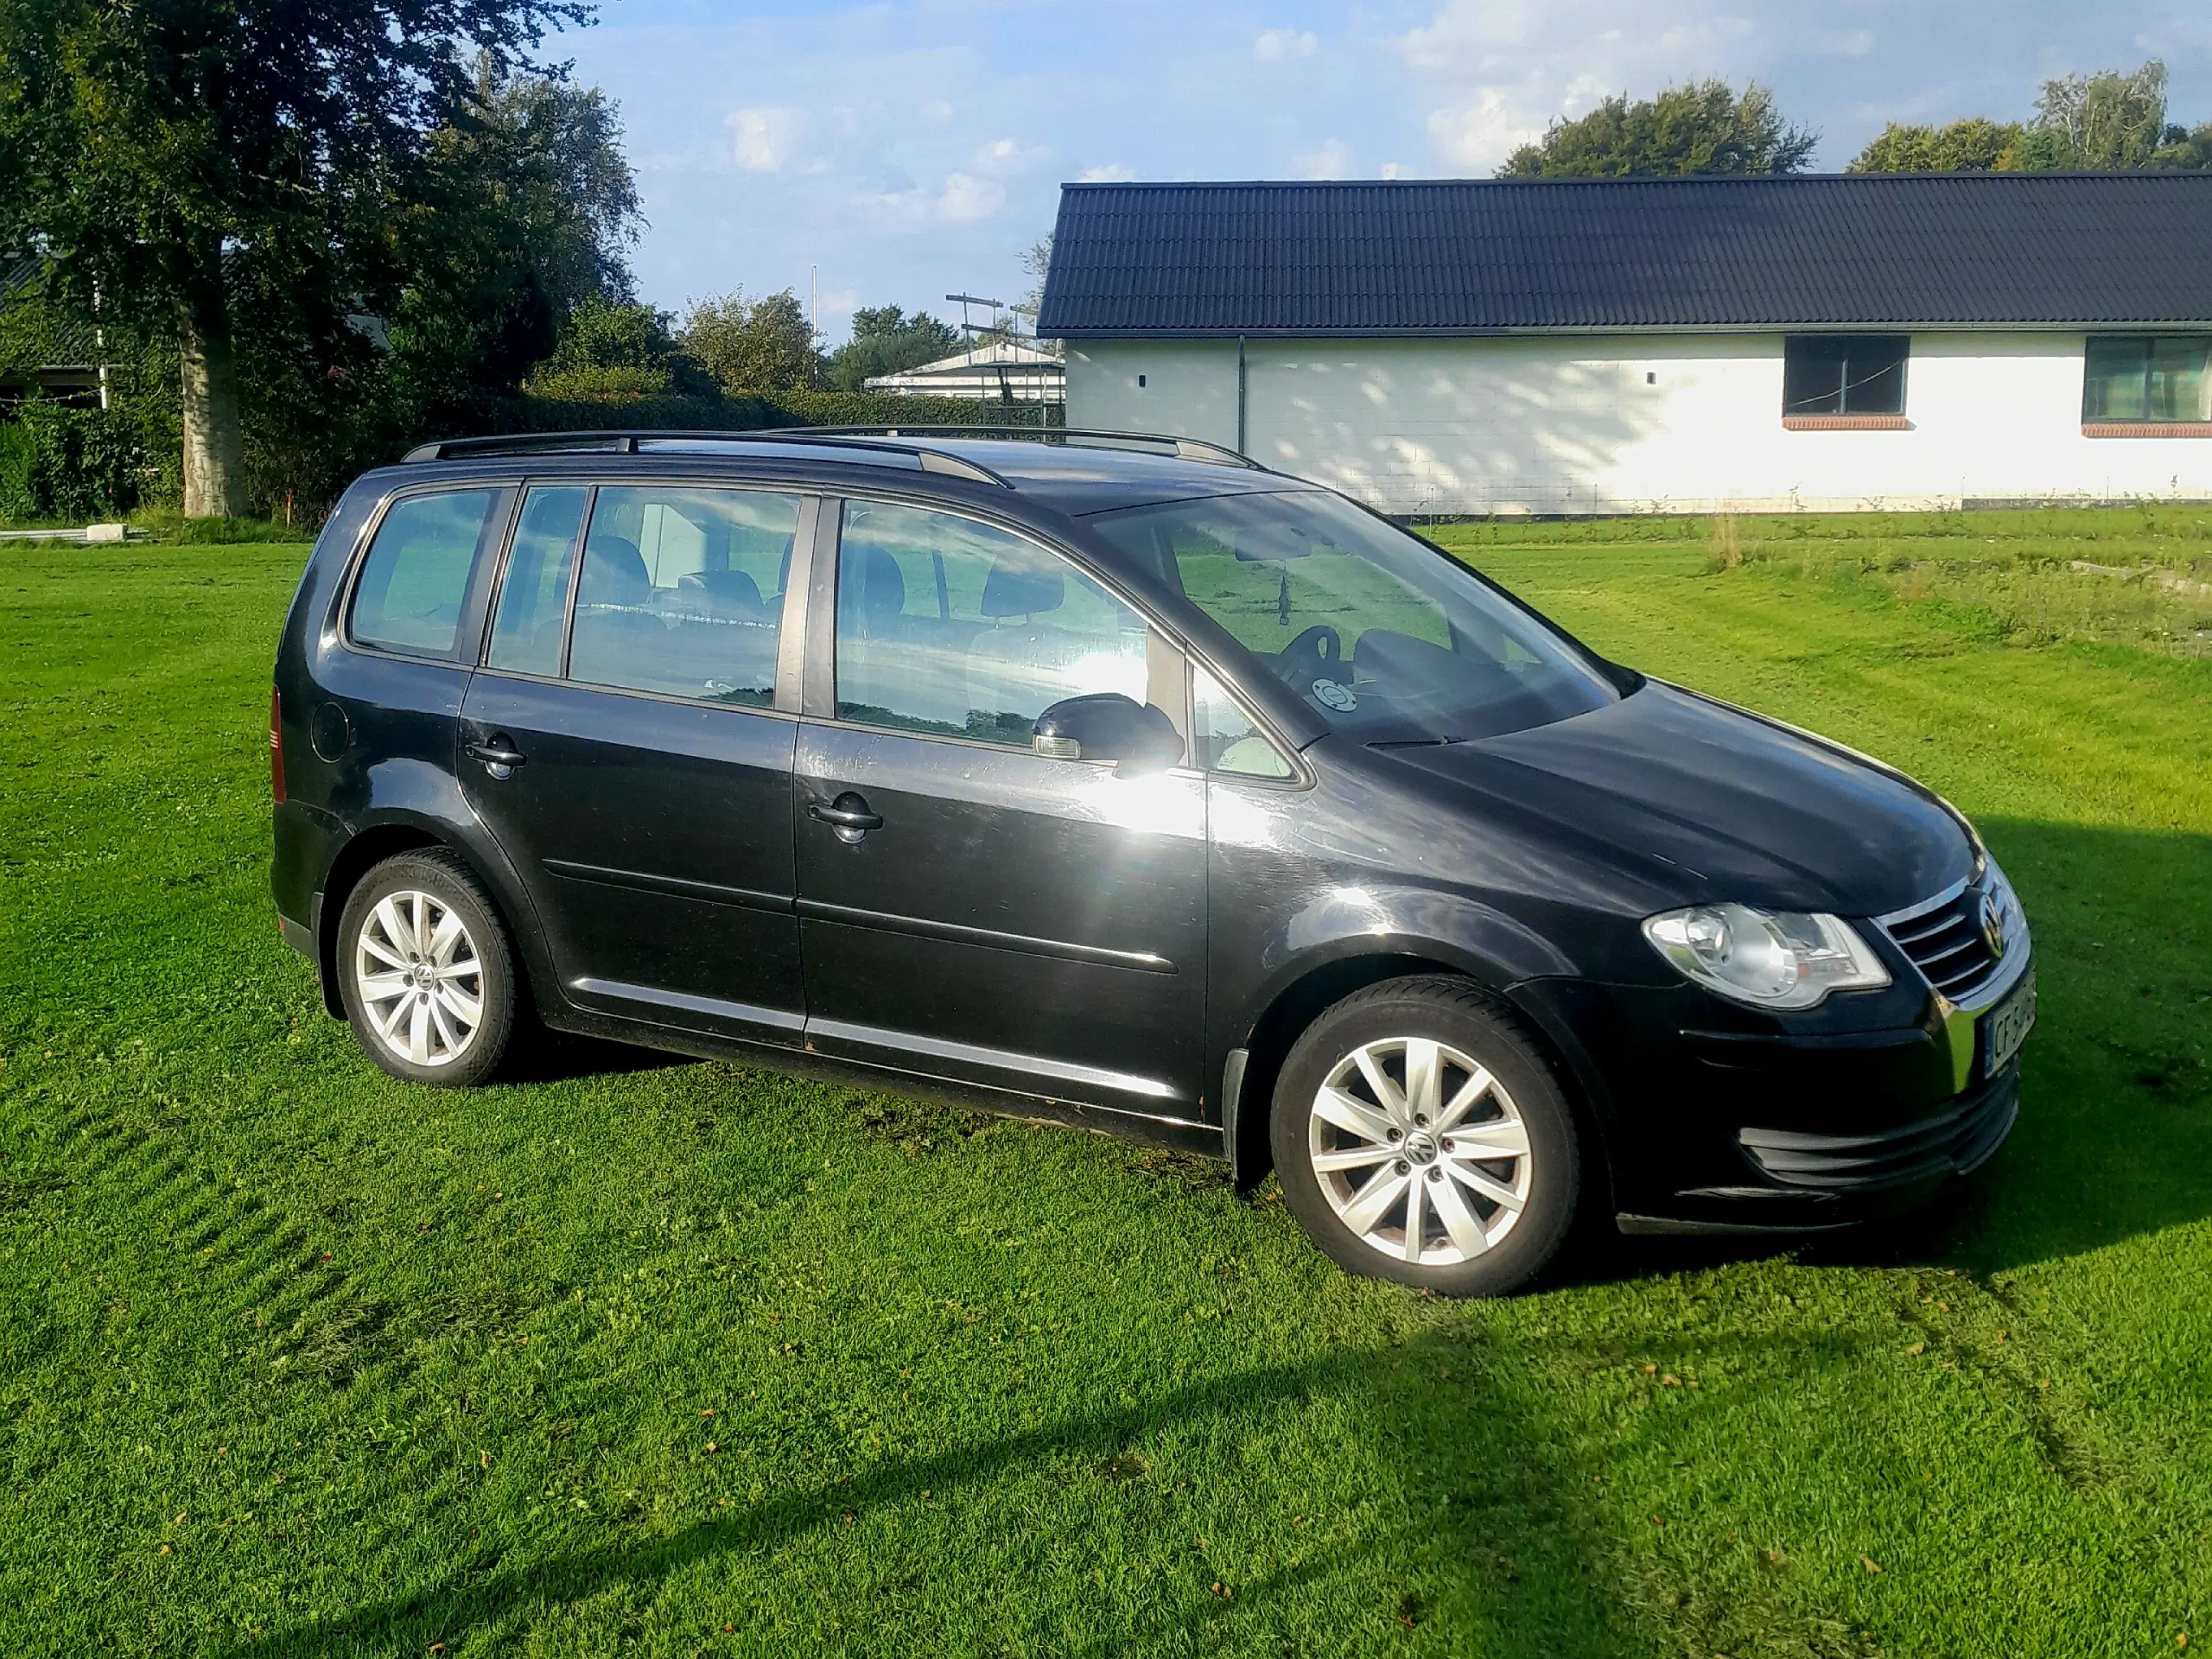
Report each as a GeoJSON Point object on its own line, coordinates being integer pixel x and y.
{"type": "Point", "coordinates": [59, 462]}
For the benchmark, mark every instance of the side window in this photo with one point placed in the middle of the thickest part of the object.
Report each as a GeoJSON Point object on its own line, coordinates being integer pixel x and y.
{"type": "Point", "coordinates": [1226, 739]}
{"type": "Point", "coordinates": [415, 577]}
{"type": "Point", "coordinates": [534, 596]}
{"type": "Point", "coordinates": [947, 626]}
{"type": "Point", "coordinates": [682, 592]}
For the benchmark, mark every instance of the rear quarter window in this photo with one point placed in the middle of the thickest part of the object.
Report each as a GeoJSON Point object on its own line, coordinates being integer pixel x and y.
{"type": "Point", "coordinates": [415, 582]}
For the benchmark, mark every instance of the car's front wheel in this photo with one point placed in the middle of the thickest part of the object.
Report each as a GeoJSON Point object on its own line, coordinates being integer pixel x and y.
{"type": "Point", "coordinates": [425, 971]}
{"type": "Point", "coordinates": [1420, 1135]}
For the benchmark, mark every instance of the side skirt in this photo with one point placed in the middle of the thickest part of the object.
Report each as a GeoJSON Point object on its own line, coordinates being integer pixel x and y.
{"type": "Point", "coordinates": [1202, 1139]}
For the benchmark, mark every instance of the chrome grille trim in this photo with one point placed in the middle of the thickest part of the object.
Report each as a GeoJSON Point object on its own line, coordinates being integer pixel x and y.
{"type": "Point", "coordinates": [1942, 936]}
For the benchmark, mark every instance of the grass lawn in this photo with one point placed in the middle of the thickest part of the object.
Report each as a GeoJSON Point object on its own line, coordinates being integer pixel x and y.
{"type": "Point", "coordinates": [675, 1357]}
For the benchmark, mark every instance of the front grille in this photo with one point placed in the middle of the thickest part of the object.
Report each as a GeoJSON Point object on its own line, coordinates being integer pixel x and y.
{"type": "Point", "coordinates": [1954, 1140]}
{"type": "Point", "coordinates": [1946, 943]}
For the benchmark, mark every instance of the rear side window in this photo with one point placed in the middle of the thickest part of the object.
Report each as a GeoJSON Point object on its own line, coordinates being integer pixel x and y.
{"type": "Point", "coordinates": [534, 597]}
{"type": "Point", "coordinates": [416, 578]}
{"type": "Point", "coordinates": [682, 592]}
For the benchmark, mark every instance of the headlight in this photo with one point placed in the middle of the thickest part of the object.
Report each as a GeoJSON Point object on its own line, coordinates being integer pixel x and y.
{"type": "Point", "coordinates": [1766, 959]}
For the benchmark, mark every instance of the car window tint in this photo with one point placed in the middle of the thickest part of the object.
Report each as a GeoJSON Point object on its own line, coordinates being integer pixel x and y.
{"type": "Point", "coordinates": [682, 592]}
{"type": "Point", "coordinates": [534, 595]}
{"type": "Point", "coordinates": [948, 626]}
{"type": "Point", "coordinates": [1227, 740]}
{"type": "Point", "coordinates": [415, 577]}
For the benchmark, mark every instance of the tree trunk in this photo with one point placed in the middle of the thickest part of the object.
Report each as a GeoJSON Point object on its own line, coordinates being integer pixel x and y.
{"type": "Point", "coordinates": [214, 438]}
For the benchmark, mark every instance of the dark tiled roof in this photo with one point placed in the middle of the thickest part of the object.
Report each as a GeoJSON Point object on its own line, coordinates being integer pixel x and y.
{"type": "Point", "coordinates": [68, 341]}
{"type": "Point", "coordinates": [1459, 256]}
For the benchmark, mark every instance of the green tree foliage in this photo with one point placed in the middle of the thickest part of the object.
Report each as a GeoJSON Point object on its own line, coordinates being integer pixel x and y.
{"type": "Point", "coordinates": [1973, 145]}
{"type": "Point", "coordinates": [222, 166]}
{"type": "Point", "coordinates": [1703, 128]}
{"type": "Point", "coordinates": [885, 340]}
{"type": "Point", "coordinates": [2108, 121]}
{"type": "Point", "coordinates": [609, 353]}
{"type": "Point", "coordinates": [753, 345]}
{"type": "Point", "coordinates": [529, 212]}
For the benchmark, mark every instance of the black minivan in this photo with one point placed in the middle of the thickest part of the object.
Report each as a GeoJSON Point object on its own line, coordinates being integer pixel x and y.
{"type": "Point", "coordinates": [1122, 781]}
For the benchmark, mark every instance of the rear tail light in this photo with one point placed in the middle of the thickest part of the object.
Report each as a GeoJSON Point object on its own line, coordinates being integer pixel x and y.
{"type": "Point", "coordinates": [277, 747]}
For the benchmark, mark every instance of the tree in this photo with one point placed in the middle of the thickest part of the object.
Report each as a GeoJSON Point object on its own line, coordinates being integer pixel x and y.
{"type": "Point", "coordinates": [2104, 121]}
{"type": "Point", "coordinates": [886, 341]}
{"type": "Point", "coordinates": [199, 162]}
{"type": "Point", "coordinates": [612, 353]}
{"type": "Point", "coordinates": [2108, 119]}
{"type": "Point", "coordinates": [1703, 128]}
{"type": "Point", "coordinates": [753, 345]}
{"type": "Point", "coordinates": [1976, 145]}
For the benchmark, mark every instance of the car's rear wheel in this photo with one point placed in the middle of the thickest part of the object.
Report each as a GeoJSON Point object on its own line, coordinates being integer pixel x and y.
{"type": "Point", "coordinates": [425, 971]}
{"type": "Point", "coordinates": [1420, 1135]}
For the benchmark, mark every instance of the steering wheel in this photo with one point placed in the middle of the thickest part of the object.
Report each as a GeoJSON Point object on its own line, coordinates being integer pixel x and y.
{"type": "Point", "coordinates": [1316, 654]}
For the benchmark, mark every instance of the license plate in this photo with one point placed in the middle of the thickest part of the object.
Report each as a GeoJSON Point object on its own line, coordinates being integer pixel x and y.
{"type": "Point", "coordinates": [2008, 1025]}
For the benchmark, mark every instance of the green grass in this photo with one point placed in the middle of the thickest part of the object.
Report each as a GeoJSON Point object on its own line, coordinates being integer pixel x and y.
{"type": "Point", "coordinates": [296, 1359]}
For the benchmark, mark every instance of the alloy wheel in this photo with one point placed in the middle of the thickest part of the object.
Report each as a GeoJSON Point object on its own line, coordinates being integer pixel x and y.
{"type": "Point", "coordinates": [1419, 1151]}
{"type": "Point", "coordinates": [420, 981]}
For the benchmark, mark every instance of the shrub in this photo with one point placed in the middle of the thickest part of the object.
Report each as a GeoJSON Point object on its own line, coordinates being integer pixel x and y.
{"type": "Point", "coordinates": [60, 462]}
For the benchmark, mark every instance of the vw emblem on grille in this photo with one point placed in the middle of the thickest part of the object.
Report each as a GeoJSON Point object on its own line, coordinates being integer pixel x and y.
{"type": "Point", "coordinates": [1993, 923]}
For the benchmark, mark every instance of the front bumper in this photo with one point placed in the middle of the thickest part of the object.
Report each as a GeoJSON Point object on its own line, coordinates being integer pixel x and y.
{"type": "Point", "coordinates": [1769, 1127]}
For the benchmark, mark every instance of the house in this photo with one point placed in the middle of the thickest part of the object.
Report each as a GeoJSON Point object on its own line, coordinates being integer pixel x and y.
{"type": "Point", "coordinates": [1010, 371]}
{"type": "Point", "coordinates": [64, 361]}
{"type": "Point", "coordinates": [1568, 347]}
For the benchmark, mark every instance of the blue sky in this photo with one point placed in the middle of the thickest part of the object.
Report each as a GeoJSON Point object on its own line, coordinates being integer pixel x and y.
{"type": "Point", "coordinates": [911, 149]}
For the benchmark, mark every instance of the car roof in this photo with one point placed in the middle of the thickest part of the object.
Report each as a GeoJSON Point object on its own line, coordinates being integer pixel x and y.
{"type": "Point", "coordinates": [1075, 473]}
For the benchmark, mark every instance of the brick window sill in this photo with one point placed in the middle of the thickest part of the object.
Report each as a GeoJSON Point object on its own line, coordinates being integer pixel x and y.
{"type": "Point", "coordinates": [1846, 424]}
{"type": "Point", "coordinates": [2146, 429]}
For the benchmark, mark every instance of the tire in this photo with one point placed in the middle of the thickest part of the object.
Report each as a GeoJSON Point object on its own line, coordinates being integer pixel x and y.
{"type": "Point", "coordinates": [1487, 1225]}
{"type": "Point", "coordinates": [409, 1007]}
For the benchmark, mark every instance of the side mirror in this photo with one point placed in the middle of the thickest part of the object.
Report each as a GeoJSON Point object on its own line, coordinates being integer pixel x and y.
{"type": "Point", "coordinates": [1107, 726]}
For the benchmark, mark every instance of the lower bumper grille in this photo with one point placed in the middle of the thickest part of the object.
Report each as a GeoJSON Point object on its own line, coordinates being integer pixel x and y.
{"type": "Point", "coordinates": [1961, 1138]}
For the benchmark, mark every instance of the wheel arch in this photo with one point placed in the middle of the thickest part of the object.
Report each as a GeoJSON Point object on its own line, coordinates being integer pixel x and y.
{"type": "Point", "coordinates": [371, 847]}
{"type": "Point", "coordinates": [1296, 1004]}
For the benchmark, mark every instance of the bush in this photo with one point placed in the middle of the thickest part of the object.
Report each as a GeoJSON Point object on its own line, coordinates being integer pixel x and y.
{"type": "Point", "coordinates": [57, 462]}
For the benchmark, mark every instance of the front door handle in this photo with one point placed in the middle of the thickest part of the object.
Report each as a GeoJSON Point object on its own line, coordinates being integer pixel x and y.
{"type": "Point", "coordinates": [847, 815]}
{"type": "Point", "coordinates": [500, 756]}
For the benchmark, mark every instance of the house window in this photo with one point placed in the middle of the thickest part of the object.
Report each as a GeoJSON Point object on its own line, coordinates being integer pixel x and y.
{"type": "Point", "coordinates": [1844, 375]}
{"type": "Point", "coordinates": [2143, 380]}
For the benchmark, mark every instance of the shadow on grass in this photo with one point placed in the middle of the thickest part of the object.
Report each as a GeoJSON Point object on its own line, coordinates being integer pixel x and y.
{"type": "Point", "coordinates": [1501, 1481]}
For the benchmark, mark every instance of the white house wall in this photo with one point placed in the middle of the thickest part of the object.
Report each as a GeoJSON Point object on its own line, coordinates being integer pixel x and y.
{"type": "Point", "coordinates": [1648, 423]}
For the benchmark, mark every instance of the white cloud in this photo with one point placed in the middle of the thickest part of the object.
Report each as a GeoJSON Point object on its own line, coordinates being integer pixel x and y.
{"type": "Point", "coordinates": [1396, 170]}
{"type": "Point", "coordinates": [966, 198]}
{"type": "Point", "coordinates": [1003, 156]}
{"type": "Point", "coordinates": [766, 137]}
{"type": "Point", "coordinates": [1112, 173]}
{"type": "Point", "coordinates": [840, 302]}
{"type": "Point", "coordinates": [1475, 137]}
{"type": "Point", "coordinates": [1281, 45]}
{"type": "Point", "coordinates": [1330, 159]}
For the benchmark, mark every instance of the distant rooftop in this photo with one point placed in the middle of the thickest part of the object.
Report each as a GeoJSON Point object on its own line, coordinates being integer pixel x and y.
{"type": "Point", "coordinates": [1954, 250]}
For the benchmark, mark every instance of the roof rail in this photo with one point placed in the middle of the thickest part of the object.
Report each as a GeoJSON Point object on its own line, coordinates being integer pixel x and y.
{"type": "Point", "coordinates": [625, 442]}
{"type": "Point", "coordinates": [1185, 448]}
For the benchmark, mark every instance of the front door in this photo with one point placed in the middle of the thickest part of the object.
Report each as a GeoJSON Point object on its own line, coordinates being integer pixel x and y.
{"type": "Point", "coordinates": [622, 741]}
{"type": "Point", "coordinates": [971, 909]}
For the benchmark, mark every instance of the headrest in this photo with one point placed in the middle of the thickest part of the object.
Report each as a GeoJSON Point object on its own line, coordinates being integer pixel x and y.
{"type": "Point", "coordinates": [727, 587]}
{"type": "Point", "coordinates": [1022, 593]}
{"type": "Point", "coordinates": [870, 587]}
{"type": "Point", "coordinates": [614, 573]}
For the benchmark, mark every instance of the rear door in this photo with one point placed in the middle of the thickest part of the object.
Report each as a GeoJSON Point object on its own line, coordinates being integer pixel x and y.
{"type": "Point", "coordinates": [969, 909]}
{"type": "Point", "coordinates": [629, 742]}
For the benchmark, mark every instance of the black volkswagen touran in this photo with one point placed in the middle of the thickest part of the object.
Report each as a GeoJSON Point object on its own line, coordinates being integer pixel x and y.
{"type": "Point", "coordinates": [1120, 781]}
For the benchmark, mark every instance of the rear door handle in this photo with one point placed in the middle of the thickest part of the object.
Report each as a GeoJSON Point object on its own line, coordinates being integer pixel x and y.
{"type": "Point", "coordinates": [847, 815]}
{"type": "Point", "coordinates": [499, 755]}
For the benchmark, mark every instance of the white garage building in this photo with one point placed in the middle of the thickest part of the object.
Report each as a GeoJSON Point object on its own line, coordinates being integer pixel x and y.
{"type": "Point", "coordinates": [1816, 343]}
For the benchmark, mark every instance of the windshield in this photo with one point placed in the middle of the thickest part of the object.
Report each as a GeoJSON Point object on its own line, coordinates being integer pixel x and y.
{"type": "Point", "coordinates": [1388, 638]}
